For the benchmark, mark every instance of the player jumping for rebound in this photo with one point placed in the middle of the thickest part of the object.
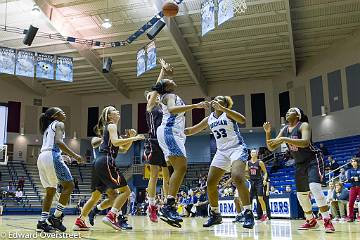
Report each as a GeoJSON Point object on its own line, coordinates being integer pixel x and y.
{"type": "Point", "coordinates": [231, 155]}
{"type": "Point", "coordinates": [309, 165]}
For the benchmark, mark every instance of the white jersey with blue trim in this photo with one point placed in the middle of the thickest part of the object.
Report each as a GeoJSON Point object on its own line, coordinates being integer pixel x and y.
{"type": "Point", "coordinates": [226, 132]}
{"type": "Point", "coordinates": [176, 121]}
{"type": "Point", "coordinates": [49, 138]}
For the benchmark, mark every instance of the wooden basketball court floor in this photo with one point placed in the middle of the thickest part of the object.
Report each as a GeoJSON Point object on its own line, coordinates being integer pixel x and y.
{"type": "Point", "coordinates": [12, 226]}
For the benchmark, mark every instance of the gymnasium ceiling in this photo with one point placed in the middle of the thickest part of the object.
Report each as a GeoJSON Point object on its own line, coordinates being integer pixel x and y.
{"type": "Point", "coordinates": [271, 37]}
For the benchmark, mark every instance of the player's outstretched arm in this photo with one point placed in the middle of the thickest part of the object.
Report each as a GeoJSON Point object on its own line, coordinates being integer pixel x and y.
{"type": "Point", "coordinates": [173, 109]}
{"type": "Point", "coordinates": [305, 137]}
{"type": "Point", "coordinates": [197, 128]}
{"type": "Point", "coordinates": [272, 144]}
{"type": "Point", "coordinates": [119, 142]}
{"type": "Point", "coordinates": [237, 117]}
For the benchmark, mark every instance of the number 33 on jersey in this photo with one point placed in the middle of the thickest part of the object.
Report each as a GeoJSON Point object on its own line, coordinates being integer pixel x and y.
{"type": "Point", "coordinates": [226, 131]}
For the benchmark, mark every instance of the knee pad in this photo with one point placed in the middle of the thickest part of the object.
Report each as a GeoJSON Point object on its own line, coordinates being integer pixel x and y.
{"type": "Point", "coordinates": [304, 200]}
{"type": "Point", "coordinates": [316, 191]}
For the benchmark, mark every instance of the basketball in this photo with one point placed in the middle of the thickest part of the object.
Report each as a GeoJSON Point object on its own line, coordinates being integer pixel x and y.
{"type": "Point", "coordinates": [170, 9]}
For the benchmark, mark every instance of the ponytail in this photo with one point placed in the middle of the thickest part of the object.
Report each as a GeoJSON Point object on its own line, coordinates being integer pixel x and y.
{"type": "Point", "coordinates": [229, 102]}
{"type": "Point", "coordinates": [159, 87]}
{"type": "Point", "coordinates": [99, 128]}
{"type": "Point", "coordinates": [303, 117]}
{"type": "Point", "coordinates": [47, 118]}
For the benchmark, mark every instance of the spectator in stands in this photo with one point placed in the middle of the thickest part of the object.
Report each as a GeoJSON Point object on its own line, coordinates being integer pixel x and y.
{"type": "Point", "coordinates": [273, 190]}
{"type": "Point", "coordinates": [333, 166]}
{"type": "Point", "coordinates": [323, 149]}
{"type": "Point", "coordinates": [202, 204]}
{"type": "Point", "coordinates": [21, 183]}
{"type": "Point", "coordinates": [10, 190]}
{"type": "Point", "coordinates": [340, 201]}
{"type": "Point", "coordinates": [342, 175]}
{"type": "Point", "coordinates": [1, 208]}
{"type": "Point", "coordinates": [76, 186]}
{"type": "Point", "coordinates": [132, 199]}
{"type": "Point", "coordinates": [88, 155]}
{"type": "Point", "coordinates": [288, 189]}
{"type": "Point", "coordinates": [353, 176]}
{"type": "Point", "coordinates": [18, 195]}
{"type": "Point", "coordinates": [330, 193]}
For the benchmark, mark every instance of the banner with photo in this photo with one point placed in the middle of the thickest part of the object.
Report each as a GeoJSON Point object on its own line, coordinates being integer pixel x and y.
{"type": "Point", "coordinates": [141, 63]}
{"type": "Point", "coordinates": [25, 64]}
{"type": "Point", "coordinates": [64, 68]}
{"type": "Point", "coordinates": [45, 66]}
{"type": "Point", "coordinates": [151, 56]}
{"type": "Point", "coordinates": [226, 11]}
{"type": "Point", "coordinates": [207, 16]}
{"type": "Point", "coordinates": [7, 60]}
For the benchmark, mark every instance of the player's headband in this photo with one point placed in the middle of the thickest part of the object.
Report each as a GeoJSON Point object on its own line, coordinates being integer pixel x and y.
{"type": "Point", "coordinates": [298, 112]}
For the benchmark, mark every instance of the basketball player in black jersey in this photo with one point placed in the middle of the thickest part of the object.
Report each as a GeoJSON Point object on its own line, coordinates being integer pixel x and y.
{"type": "Point", "coordinates": [105, 176]}
{"type": "Point", "coordinates": [152, 151]}
{"type": "Point", "coordinates": [258, 175]}
{"type": "Point", "coordinates": [309, 165]}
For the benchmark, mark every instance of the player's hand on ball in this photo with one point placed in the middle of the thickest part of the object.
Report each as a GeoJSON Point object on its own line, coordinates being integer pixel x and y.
{"type": "Point", "coordinates": [267, 127]}
{"type": "Point", "coordinates": [204, 104]}
{"type": "Point", "coordinates": [274, 142]}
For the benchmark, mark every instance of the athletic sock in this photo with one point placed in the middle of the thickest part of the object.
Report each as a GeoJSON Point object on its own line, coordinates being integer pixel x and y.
{"type": "Point", "coordinates": [325, 214]}
{"type": "Point", "coordinates": [119, 213]}
{"type": "Point", "coordinates": [114, 210]}
{"type": "Point", "coordinates": [44, 216]}
{"type": "Point", "coordinates": [99, 207]}
{"type": "Point", "coordinates": [247, 207]}
{"type": "Point", "coordinates": [59, 210]}
{"type": "Point", "coordinates": [308, 216]}
{"type": "Point", "coordinates": [215, 209]}
{"type": "Point", "coordinates": [264, 212]}
{"type": "Point", "coordinates": [152, 201]}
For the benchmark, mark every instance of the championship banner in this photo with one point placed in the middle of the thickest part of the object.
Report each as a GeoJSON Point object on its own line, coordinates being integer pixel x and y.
{"type": "Point", "coordinates": [25, 64]}
{"type": "Point", "coordinates": [7, 60]}
{"type": "Point", "coordinates": [207, 16]}
{"type": "Point", "coordinates": [147, 172]}
{"type": "Point", "coordinates": [140, 59]}
{"type": "Point", "coordinates": [226, 11]}
{"type": "Point", "coordinates": [45, 66]}
{"type": "Point", "coordinates": [151, 56]}
{"type": "Point", "coordinates": [64, 68]}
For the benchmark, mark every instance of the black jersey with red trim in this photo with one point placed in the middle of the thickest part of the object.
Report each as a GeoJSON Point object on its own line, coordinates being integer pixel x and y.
{"type": "Point", "coordinates": [299, 154]}
{"type": "Point", "coordinates": [254, 170]}
{"type": "Point", "coordinates": [153, 120]}
{"type": "Point", "coordinates": [106, 145]}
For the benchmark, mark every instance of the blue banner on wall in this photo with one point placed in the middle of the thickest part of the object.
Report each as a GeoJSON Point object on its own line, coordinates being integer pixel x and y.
{"type": "Point", "coordinates": [25, 63]}
{"type": "Point", "coordinates": [151, 56]}
{"type": "Point", "coordinates": [141, 63]}
{"type": "Point", "coordinates": [207, 16]}
{"type": "Point", "coordinates": [7, 60]}
{"type": "Point", "coordinates": [226, 11]}
{"type": "Point", "coordinates": [45, 66]}
{"type": "Point", "coordinates": [64, 68]}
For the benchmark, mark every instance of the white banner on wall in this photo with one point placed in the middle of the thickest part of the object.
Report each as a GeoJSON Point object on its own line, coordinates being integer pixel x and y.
{"type": "Point", "coordinates": [3, 124]}
{"type": "Point", "coordinates": [280, 207]}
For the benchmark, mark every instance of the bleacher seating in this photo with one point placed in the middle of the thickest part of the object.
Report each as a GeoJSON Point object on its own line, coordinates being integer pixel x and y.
{"type": "Point", "coordinates": [342, 149]}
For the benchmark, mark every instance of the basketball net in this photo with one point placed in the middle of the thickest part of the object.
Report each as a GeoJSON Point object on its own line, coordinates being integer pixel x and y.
{"type": "Point", "coordinates": [239, 6]}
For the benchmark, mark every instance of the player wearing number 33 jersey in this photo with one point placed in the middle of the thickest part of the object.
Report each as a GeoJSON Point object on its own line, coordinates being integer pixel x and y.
{"type": "Point", "coordinates": [230, 156]}
{"type": "Point", "coordinates": [229, 142]}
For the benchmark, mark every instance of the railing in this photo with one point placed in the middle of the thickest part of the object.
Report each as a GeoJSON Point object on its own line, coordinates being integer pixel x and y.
{"type": "Point", "coordinates": [329, 174]}
{"type": "Point", "coordinates": [74, 198]}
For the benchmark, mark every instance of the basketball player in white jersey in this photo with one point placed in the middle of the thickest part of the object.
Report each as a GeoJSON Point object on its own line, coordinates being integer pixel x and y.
{"type": "Point", "coordinates": [231, 155]}
{"type": "Point", "coordinates": [52, 169]}
{"type": "Point", "coordinates": [171, 139]}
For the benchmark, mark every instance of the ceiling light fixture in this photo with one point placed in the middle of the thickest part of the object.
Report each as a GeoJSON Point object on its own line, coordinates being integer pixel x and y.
{"type": "Point", "coordinates": [106, 24]}
{"type": "Point", "coordinates": [36, 9]}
